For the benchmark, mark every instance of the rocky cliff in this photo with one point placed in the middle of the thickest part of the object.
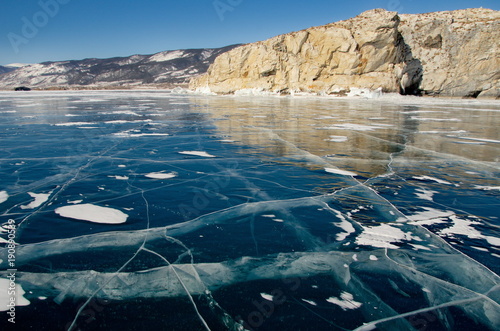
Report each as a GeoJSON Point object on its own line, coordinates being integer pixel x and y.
{"type": "Point", "coordinates": [459, 51]}
{"type": "Point", "coordinates": [445, 53]}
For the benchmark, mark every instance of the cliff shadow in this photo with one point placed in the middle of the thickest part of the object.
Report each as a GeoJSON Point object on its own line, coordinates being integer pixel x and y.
{"type": "Point", "coordinates": [410, 78]}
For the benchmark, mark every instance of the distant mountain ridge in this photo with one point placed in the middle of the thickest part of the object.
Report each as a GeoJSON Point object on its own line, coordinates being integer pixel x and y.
{"type": "Point", "coordinates": [4, 69]}
{"type": "Point", "coordinates": [168, 69]}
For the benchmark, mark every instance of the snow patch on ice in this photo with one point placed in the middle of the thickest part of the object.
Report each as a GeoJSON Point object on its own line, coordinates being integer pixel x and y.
{"type": "Point", "coordinates": [129, 134]}
{"type": "Point", "coordinates": [75, 123]}
{"type": "Point", "coordinates": [119, 177]}
{"type": "Point", "coordinates": [421, 247]}
{"type": "Point", "coordinates": [267, 296]}
{"type": "Point", "coordinates": [3, 196]}
{"type": "Point", "coordinates": [126, 112]}
{"type": "Point", "coordinates": [425, 194]}
{"type": "Point", "coordinates": [487, 188]}
{"type": "Point", "coordinates": [481, 140]}
{"type": "Point", "coordinates": [429, 178]}
{"type": "Point", "coordinates": [197, 153]}
{"type": "Point", "coordinates": [39, 200]}
{"type": "Point", "coordinates": [426, 119]}
{"type": "Point", "coordinates": [5, 297]}
{"type": "Point", "coordinates": [464, 227]}
{"type": "Point", "coordinates": [430, 216]}
{"type": "Point", "coordinates": [312, 303]}
{"type": "Point", "coordinates": [353, 126]}
{"type": "Point", "coordinates": [495, 241]}
{"type": "Point", "coordinates": [383, 236]}
{"type": "Point", "coordinates": [459, 226]}
{"type": "Point", "coordinates": [93, 213]}
{"type": "Point", "coordinates": [116, 122]}
{"type": "Point", "coordinates": [337, 139]}
{"type": "Point", "coordinates": [125, 121]}
{"type": "Point", "coordinates": [346, 301]}
{"type": "Point", "coordinates": [344, 225]}
{"type": "Point", "coordinates": [340, 172]}
{"type": "Point", "coordinates": [161, 175]}
{"type": "Point", "coordinates": [469, 142]}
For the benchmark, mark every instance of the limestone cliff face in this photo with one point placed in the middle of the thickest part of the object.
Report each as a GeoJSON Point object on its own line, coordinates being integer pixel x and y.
{"type": "Point", "coordinates": [448, 53]}
{"type": "Point", "coordinates": [459, 51]}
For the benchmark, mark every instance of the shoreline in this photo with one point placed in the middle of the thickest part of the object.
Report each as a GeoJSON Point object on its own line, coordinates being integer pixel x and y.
{"type": "Point", "coordinates": [183, 90]}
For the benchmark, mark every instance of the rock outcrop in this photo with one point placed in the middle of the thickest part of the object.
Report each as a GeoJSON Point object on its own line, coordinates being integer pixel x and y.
{"type": "Point", "coordinates": [444, 53]}
{"type": "Point", "coordinates": [459, 51]}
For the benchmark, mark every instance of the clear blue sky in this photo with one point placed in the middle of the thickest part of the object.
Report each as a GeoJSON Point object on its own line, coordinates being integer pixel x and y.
{"type": "Point", "coordinates": [77, 29]}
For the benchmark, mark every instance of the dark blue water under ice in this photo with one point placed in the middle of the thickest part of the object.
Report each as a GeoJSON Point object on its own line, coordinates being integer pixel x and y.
{"type": "Point", "coordinates": [159, 211]}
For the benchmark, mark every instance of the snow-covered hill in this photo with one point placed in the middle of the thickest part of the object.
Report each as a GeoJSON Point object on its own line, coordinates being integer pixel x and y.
{"type": "Point", "coordinates": [169, 68]}
{"type": "Point", "coordinates": [4, 70]}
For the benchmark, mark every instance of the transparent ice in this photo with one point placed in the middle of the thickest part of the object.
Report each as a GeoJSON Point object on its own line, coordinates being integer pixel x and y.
{"type": "Point", "coordinates": [258, 213]}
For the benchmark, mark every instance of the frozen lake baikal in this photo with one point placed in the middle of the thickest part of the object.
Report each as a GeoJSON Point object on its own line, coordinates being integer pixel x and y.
{"type": "Point", "coordinates": [150, 210]}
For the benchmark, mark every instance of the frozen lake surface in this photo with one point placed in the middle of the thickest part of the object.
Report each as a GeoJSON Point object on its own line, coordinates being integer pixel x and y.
{"type": "Point", "coordinates": [155, 211]}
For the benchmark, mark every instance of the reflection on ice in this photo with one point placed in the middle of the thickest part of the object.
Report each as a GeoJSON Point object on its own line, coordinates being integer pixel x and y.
{"type": "Point", "coordinates": [354, 127]}
{"type": "Point", "coordinates": [482, 140]}
{"type": "Point", "coordinates": [338, 139]}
